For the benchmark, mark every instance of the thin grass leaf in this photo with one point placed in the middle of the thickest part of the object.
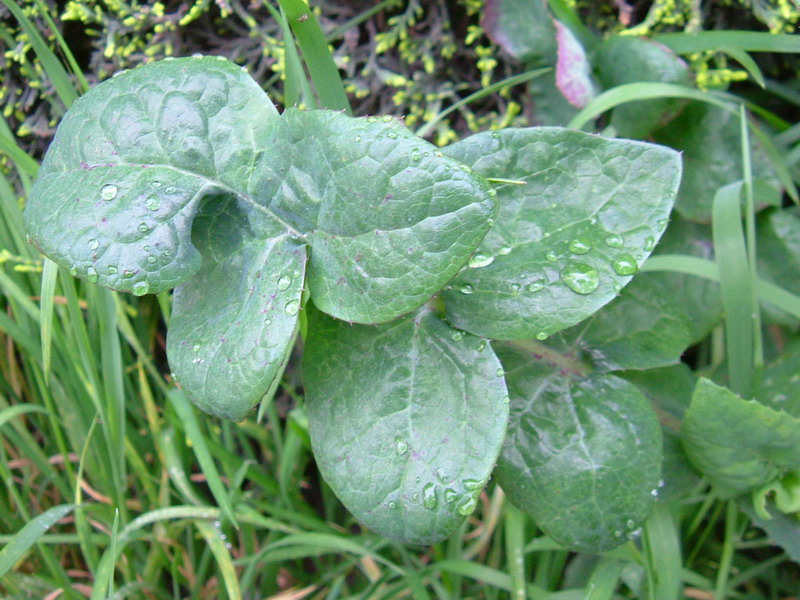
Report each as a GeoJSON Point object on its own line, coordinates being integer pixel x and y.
{"type": "Point", "coordinates": [222, 555]}
{"type": "Point", "coordinates": [189, 422]}
{"type": "Point", "coordinates": [113, 547]}
{"type": "Point", "coordinates": [735, 286]}
{"type": "Point", "coordinates": [748, 41]}
{"type": "Point", "coordinates": [81, 522]}
{"type": "Point", "coordinates": [52, 66]}
{"type": "Point", "coordinates": [744, 59]}
{"type": "Point", "coordinates": [26, 537]}
{"type": "Point", "coordinates": [63, 47]}
{"type": "Point", "coordinates": [19, 409]}
{"type": "Point", "coordinates": [604, 579]}
{"type": "Point", "coordinates": [49, 278]}
{"type": "Point", "coordinates": [318, 58]}
{"type": "Point", "coordinates": [515, 551]}
{"type": "Point", "coordinates": [662, 549]}
{"type": "Point", "coordinates": [22, 160]}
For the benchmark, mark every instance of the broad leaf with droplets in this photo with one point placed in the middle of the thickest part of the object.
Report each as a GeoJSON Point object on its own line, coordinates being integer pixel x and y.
{"type": "Point", "coordinates": [583, 453]}
{"type": "Point", "coordinates": [387, 217]}
{"type": "Point", "coordinates": [406, 420]}
{"type": "Point", "coordinates": [588, 213]}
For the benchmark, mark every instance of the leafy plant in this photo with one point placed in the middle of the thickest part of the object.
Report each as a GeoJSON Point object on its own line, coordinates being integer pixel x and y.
{"type": "Point", "coordinates": [397, 261]}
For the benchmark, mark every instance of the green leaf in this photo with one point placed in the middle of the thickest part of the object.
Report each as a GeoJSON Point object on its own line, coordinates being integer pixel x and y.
{"type": "Point", "coordinates": [26, 537]}
{"type": "Point", "coordinates": [780, 382]}
{"type": "Point", "coordinates": [625, 59]}
{"type": "Point", "coordinates": [738, 444]}
{"type": "Point", "coordinates": [783, 530]}
{"type": "Point", "coordinates": [523, 28]}
{"type": "Point", "coordinates": [406, 420]}
{"type": "Point", "coordinates": [642, 329]}
{"type": "Point", "coordinates": [234, 323]}
{"type": "Point", "coordinates": [710, 140]}
{"type": "Point", "coordinates": [565, 243]}
{"type": "Point", "coordinates": [573, 72]}
{"type": "Point", "coordinates": [582, 456]}
{"type": "Point", "coordinates": [121, 181]}
{"type": "Point", "coordinates": [182, 171]}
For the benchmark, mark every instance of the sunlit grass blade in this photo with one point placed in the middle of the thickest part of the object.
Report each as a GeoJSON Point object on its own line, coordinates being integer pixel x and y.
{"type": "Point", "coordinates": [428, 127]}
{"type": "Point", "coordinates": [735, 284]}
{"type": "Point", "coordinates": [318, 58]}
{"type": "Point", "coordinates": [748, 41]}
{"type": "Point", "coordinates": [744, 59]}
{"type": "Point", "coordinates": [49, 278]}
{"type": "Point", "coordinates": [189, 422]}
{"type": "Point", "coordinates": [604, 580]}
{"type": "Point", "coordinates": [213, 537]}
{"type": "Point", "coordinates": [19, 409]}
{"type": "Point", "coordinates": [26, 537]}
{"type": "Point", "coordinates": [55, 70]}
{"type": "Point", "coordinates": [515, 552]}
{"type": "Point", "coordinates": [21, 159]}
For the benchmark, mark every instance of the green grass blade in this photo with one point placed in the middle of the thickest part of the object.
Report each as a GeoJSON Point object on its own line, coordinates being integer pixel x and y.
{"type": "Point", "coordinates": [52, 66]}
{"type": "Point", "coordinates": [19, 409]}
{"type": "Point", "coordinates": [22, 160]}
{"type": "Point", "coordinates": [744, 59]}
{"type": "Point", "coordinates": [46, 306]}
{"type": "Point", "coordinates": [735, 287]}
{"type": "Point", "coordinates": [318, 58]}
{"type": "Point", "coordinates": [604, 579]}
{"type": "Point", "coordinates": [748, 41]}
{"type": "Point", "coordinates": [662, 548]}
{"type": "Point", "coordinates": [26, 537]}
{"type": "Point", "coordinates": [213, 537]}
{"type": "Point", "coordinates": [62, 45]}
{"type": "Point", "coordinates": [189, 423]}
{"type": "Point", "coordinates": [515, 552]}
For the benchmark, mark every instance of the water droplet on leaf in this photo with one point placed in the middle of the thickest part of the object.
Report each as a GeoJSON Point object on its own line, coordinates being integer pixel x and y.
{"type": "Point", "coordinates": [152, 202]}
{"type": "Point", "coordinates": [535, 286]}
{"type": "Point", "coordinates": [541, 336]}
{"type": "Point", "coordinates": [625, 265]}
{"type": "Point", "coordinates": [500, 372]}
{"type": "Point", "coordinates": [580, 278]}
{"type": "Point", "coordinates": [466, 289]}
{"type": "Point", "coordinates": [472, 484]}
{"type": "Point", "coordinates": [450, 495]}
{"type": "Point", "coordinates": [649, 243]}
{"type": "Point", "coordinates": [143, 228]}
{"type": "Point", "coordinates": [480, 260]}
{"type": "Point", "coordinates": [140, 288]}
{"type": "Point", "coordinates": [93, 244]}
{"type": "Point", "coordinates": [457, 335]}
{"type": "Point", "coordinates": [579, 247]}
{"type": "Point", "coordinates": [467, 506]}
{"type": "Point", "coordinates": [392, 504]}
{"type": "Point", "coordinates": [551, 256]}
{"type": "Point", "coordinates": [91, 275]}
{"type": "Point", "coordinates": [108, 192]}
{"type": "Point", "coordinates": [400, 446]}
{"type": "Point", "coordinates": [284, 283]}
{"type": "Point", "coordinates": [614, 241]}
{"type": "Point", "coordinates": [392, 135]}
{"type": "Point", "coordinates": [492, 193]}
{"type": "Point", "coordinates": [429, 496]}
{"type": "Point", "coordinates": [292, 307]}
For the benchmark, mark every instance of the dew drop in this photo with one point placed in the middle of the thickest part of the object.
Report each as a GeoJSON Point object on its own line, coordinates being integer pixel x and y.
{"type": "Point", "coordinates": [91, 275]}
{"type": "Point", "coordinates": [661, 223]}
{"type": "Point", "coordinates": [152, 202]}
{"type": "Point", "coordinates": [171, 190]}
{"type": "Point", "coordinates": [579, 247]}
{"type": "Point", "coordinates": [467, 506]}
{"type": "Point", "coordinates": [155, 183]}
{"type": "Point", "coordinates": [472, 484]}
{"type": "Point", "coordinates": [151, 259]}
{"type": "Point", "coordinates": [388, 118]}
{"type": "Point", "coordinates": [551, 256]}
{"type": "Point", "coordinates": [108, 192]}
{"type": "Point", "coordinates": [580, 278]}
{"type": "Point", "coordinates": [429, 496]}
{"type": "Point", "coordinates": [93, 244]}
{"type": "Point", "coordinates": [400, 446]}
{"type": "Point", "coordinates": [467, 289]}
{"type": "Point", "coordinates": [515, 287]}
{"type": "Point", "coordinates": [614, 241]}
{"type": "Point", "coordinates": [504, 251]}
{"type": "Point", "coordinates": [535, 286]}
{"type": "Point", "coordinates": [649, 243]}
{"type": "Point", "coordinates": [415, 155]}
{"type": "Point", "coordinates": [500, 372]}
{"type": "Point", "coordinates": [541, 336]}
{"type": "Point", "coordinates": [492, 193]}
{"type": "Point", "coordinates": [112, 270]}
{"type": "Point", "coordinates": [284, 282]}
{"type": "Point", "coordinates": [439, 154]}
{"type": "Point", "coordinates": [197, 361]}
{"type": "Point", "coordinates": [392, 135]}
{"type": "Point", "coordinates": [481, 345]}
{"type": "Point", "coordinates": [457, 335]}
{"type": "Point", "coordinates": [625, 265]}
{"type": "Point", "coordinates": [73, 270]}
{"type": "Point", "coordinates": [196, 348]}
{"type": "Point", "coordinates": [358, 138]}
{"type": "Point", "coordinates": [143, 228]}
{"type": "Point", "coordinates": [140, 288]}
{"type": "Point", "coordinates": [654, 492]}
{"type": "Point", "coordinates": [292, 307]}
{"type": "Point", "coordinates": [392, 504]}
{"type": "Point", "coordinates": [480, 260]}
{"type": "Point", "coordinates": [450, 495]}
{"type": "Point", "coordinates": [617, 534]}
{"type": "Point", "coordinates": [630, 524]}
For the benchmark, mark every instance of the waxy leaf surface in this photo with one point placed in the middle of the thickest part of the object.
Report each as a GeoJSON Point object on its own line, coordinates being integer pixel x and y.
{"type": "Point", "coordinates": [582, 455]}
{"type": "Point", "coordinates": [523, 28]}
{"type": "Point", "coordinates": [387, 217]}
{"type": "Point", "coordinates": [739, 445]}
{"type": "Point", "coordinates": [406, 420]}
{"type": "Point", "coordinates": [565, 243]}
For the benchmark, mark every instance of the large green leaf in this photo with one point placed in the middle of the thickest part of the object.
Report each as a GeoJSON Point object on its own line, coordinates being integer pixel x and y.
{"type": "Point", "coordinates": [710, 138]}
{"type": "Point", "coordinates": [780, 382]}
{"type": "Point", "coordinates": [388, 217]}
{"type": "Point", "coordinates": [566, 242]}
{"type": "Point", "coordinates": [779, 256]}
{"type": "Point", "coordinates": [626, 59]}
{"type": "Point", "coordinates": [523, 28]}
{"type": "Point", "coordinates": [740, 445]}
{"type": "Point", "coordinates": [406, 420]}
{"type": "Point", "coordinates": [582, 455]}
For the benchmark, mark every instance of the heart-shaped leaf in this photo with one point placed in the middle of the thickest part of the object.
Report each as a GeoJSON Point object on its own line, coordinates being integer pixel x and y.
{"type": "Point", "coordinates": [389, 219]}
{"type": "Point", "coordinates": [582, 455]}
{"type": "Point", "coordinates": [564, 243]}
{"type": "Point", "coordinates": [406, 420]}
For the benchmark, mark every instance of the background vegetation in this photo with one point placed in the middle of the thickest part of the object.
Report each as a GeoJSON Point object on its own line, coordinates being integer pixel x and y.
{"type": "Point", "coordinates": [113, 486]}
